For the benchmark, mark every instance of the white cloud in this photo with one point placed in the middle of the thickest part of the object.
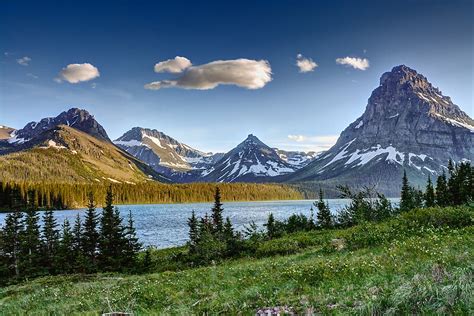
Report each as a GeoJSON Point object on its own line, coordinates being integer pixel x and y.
{"type": "Point", "coordinates": [32, 75]}
{"type": "Point", "coordinates": [305, 64]}
{"type": "Point", "coordinates": [24, 61]}
{"type": "Point", "coordinates": [245, 73]}
{"type": "Point", "coordinates": [176, 65]}
{"type": "Point", "coordinates": [314, 143]}
{"type": "Point", "coordinates": [354, 62]}
{"type": "Point", "coordinates": [75, 73]}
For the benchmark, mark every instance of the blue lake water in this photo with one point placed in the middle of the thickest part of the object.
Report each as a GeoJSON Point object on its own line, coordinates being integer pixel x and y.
{"type": "Point", "coordinates": [165, 225]}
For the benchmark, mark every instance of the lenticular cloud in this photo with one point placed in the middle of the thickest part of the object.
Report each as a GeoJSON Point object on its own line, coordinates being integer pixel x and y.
{"type": "Point", "coordinates": [245, 73]}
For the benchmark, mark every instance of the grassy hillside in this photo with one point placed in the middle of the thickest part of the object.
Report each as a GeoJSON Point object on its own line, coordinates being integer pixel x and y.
{"type": "Point", "coordinates": [418, 262]}
{"type": "Point", "coordinates": [73, 156]}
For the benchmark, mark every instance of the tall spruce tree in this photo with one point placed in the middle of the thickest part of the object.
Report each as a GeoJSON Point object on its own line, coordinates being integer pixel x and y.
{"type": "Point", "coordinates": [430, 199]}
{"type": "Point", "coordinates": [442, 198]}
{"type": "Point", "coordinates": [111, 241]}
{"type": "Point", "coordinates": [12, 242]}
{"type": "Point", "coordinates": [406, 196]}
{"type": "Point", "coordinates": [50, 240]}
{"type": "Point", "coordinates": [230, 238]}
{"type": "Point", "coordinates": [77, 241]}
{"type": "Point", "coordinates": [90, 240]}
{"type": "Point", "coordinates": [193, 225]}
{"type": "Point", "coordinates": [216, 214]}
{"type": "Point", "coordinates": [324, 216]}
{"type": "Point", "coordinates": [133, 246]}
{"type": "Point", "coordinates": [66, 257]}
{"type": "Point", "coordinates": [31, 243]}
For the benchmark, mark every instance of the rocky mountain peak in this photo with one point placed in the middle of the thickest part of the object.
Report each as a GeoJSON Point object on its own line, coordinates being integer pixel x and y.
{"type": "Point", "coordinates": [76, 118]}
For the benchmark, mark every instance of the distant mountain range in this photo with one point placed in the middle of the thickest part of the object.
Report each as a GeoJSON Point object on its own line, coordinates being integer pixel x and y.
{"type": "Point", "coordinates": [408, 125]}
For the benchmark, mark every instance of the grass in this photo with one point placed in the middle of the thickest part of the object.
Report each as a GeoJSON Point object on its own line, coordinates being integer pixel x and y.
{"type": "Point", "coordinates": [395, 269]}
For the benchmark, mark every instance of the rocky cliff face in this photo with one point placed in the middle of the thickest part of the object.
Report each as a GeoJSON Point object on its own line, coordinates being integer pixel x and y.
{"type": "Point", "coordinates": [408, 124]}
{"type": "Point", "coordinates": [164, 153]}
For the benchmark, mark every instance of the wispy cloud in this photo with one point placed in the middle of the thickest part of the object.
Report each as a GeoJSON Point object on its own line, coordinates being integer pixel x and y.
{"type": "Point", "coordinates": [245, 73]}
{"type": "Point", "coordinates": [305, 64]}
{"type": "Point", "coordinates": [176, 65]}
{"type": "Point", "coordinates": [354, 62]}
{"type": "Point", "coordinates": [75, 73]}
{"type": "Point", "coordinates": [24, 61]}
{"type": "Point", "coordinates": [32, 75]}
{"type": "Point", "coordinates": [310, 143]}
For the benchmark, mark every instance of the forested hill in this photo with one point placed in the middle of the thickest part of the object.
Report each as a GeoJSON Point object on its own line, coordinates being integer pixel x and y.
{"type": "Point", "coordinates": [64, 196]}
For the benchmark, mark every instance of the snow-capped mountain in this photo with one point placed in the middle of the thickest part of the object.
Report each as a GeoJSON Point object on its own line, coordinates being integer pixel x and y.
{"type": "Point", "coordinates": [408, 124]}
{"type": "Point", "coordinates": [70, 147]}
{"type": "Point", "coordinates": [250, 161]}
{"type": "Point", "coordinates": [164, 153]}
{"type": "Point", "coordinates": [5, 132]}
{"type": "Point", "coordinates": [75, 118]}
{"type": "Point", "coordinates": [298, 159]}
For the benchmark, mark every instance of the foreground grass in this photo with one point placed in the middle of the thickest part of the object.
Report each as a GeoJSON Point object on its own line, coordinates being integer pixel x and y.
{"type": "Point", "coordinates": [429, 270]}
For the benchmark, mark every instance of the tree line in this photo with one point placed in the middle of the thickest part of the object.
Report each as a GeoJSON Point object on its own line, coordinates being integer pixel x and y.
{"type": "Point", "coordinates": [100, 242]}
{"type": "Point", "coordinates": [15, 196]}
{"type": "Point", "coordinates": [210, 240]}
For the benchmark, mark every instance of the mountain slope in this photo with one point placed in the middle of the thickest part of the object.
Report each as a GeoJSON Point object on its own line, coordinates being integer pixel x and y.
{"type": "Point", "coordinates": [408, 124]}
{"type": "Point", "coordinates": [250, 161]}
{"type": "Point", "coordinates": [74, 117]}
{"type": "Point", "coordinates": [65, 153]}
{"type": "Point", "coordinates": [164, 153]}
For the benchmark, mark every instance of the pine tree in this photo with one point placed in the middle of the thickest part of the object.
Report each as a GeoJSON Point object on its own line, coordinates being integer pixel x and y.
{"type": "Point", "coordinates": [66, 257]}
{"type": "Point", "coordinates": [12, 241]}
{"type": "Point", "coordinates": [442, 190]}
{"type": "Point", "coordinates": [111, 240]}
{"type": "Point", "coordinates": [146, 263]}
{"type": "Point", "coordinates": [50, 240]}
{"type": "Point", "coordinates": [31, 243]}
{"type": "Point", "coordinates": [271, 227]}
{"type": "Point", "coordinates": [133, 246]}
{"type": "Point", "coordinates": [324, 216]}
{"type": "Point", "coordinates": [230, 238]}
{"type": "Point", "coordinates": [193, 232]}
{"type": "Point", "coordinates": [406, 196]}
{"type": "Point", "coordinates": [217, 217]}
{"type": "Point", "coordinates": [77, 241]}
{"type": "Point", "coordinates": [91, 235]}
{"type": "Point", "coordinates": [429, 194]}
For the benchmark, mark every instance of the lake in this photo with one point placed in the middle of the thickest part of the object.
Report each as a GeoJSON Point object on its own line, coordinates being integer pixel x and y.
{"type": "Point", "coordinates": [165, 225]}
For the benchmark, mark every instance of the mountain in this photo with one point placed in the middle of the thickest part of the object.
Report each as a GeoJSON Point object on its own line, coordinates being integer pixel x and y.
{"type": "Point", "coordinates": [77, 152]}
{"type": "Point", "coordinates": [77, 118]}
{"type": "Point", "coordinates": [164, 153]}
{"type": "Point", "coordinates": [5, 132]}
{"type": "Point", "coordinates": [297, 159]}
{"type": "Point", "coordinates": [250, 161]}
{"type": "Point", "coordinates": [407, 125]}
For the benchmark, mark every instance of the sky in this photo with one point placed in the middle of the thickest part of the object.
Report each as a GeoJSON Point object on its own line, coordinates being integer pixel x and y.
{"type": "Point", "coordinates": [208, 73]}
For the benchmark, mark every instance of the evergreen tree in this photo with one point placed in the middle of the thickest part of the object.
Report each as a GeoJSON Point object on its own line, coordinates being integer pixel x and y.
{"type": "Point", "coordinates": [50, 240]}
{"type": "Point", "coordinates": [324, 216]}
{"type": "Point", "coordinates": [217, 217]}
{"type": "Point", "coordinates": [111, 241]}
{"type": "Point", "coordinates": [90, 235]}
{"type": "Point", "coordinates": [193, 232]}
{"type": "Point", "coordinates": [31, 243]}
{"type": "Point", "coordinates": [77, 241]}
{"type": "Point", "coordinates": [442, 190]}
{"type": "Point", "coordinates": [406, 197]}
{"type": "Point", "coordinates": [271, 227]}
{"type": "Point", "coordinates": [66, 257]}
{"type": "Point", "coordinates": [12, 242]}
{"type": "Point", "coordinates": [146, 263]}
{"type": "Point", "coordinates": [230, 238]}
{"type": "Point", "coordinates": [429, 196]}
{"type": "Point", "coordinates": [133, 246]}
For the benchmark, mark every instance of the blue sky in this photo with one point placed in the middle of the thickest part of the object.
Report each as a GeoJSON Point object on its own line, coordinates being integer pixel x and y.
{"type": "Point", "coordinates": [123, 40]}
